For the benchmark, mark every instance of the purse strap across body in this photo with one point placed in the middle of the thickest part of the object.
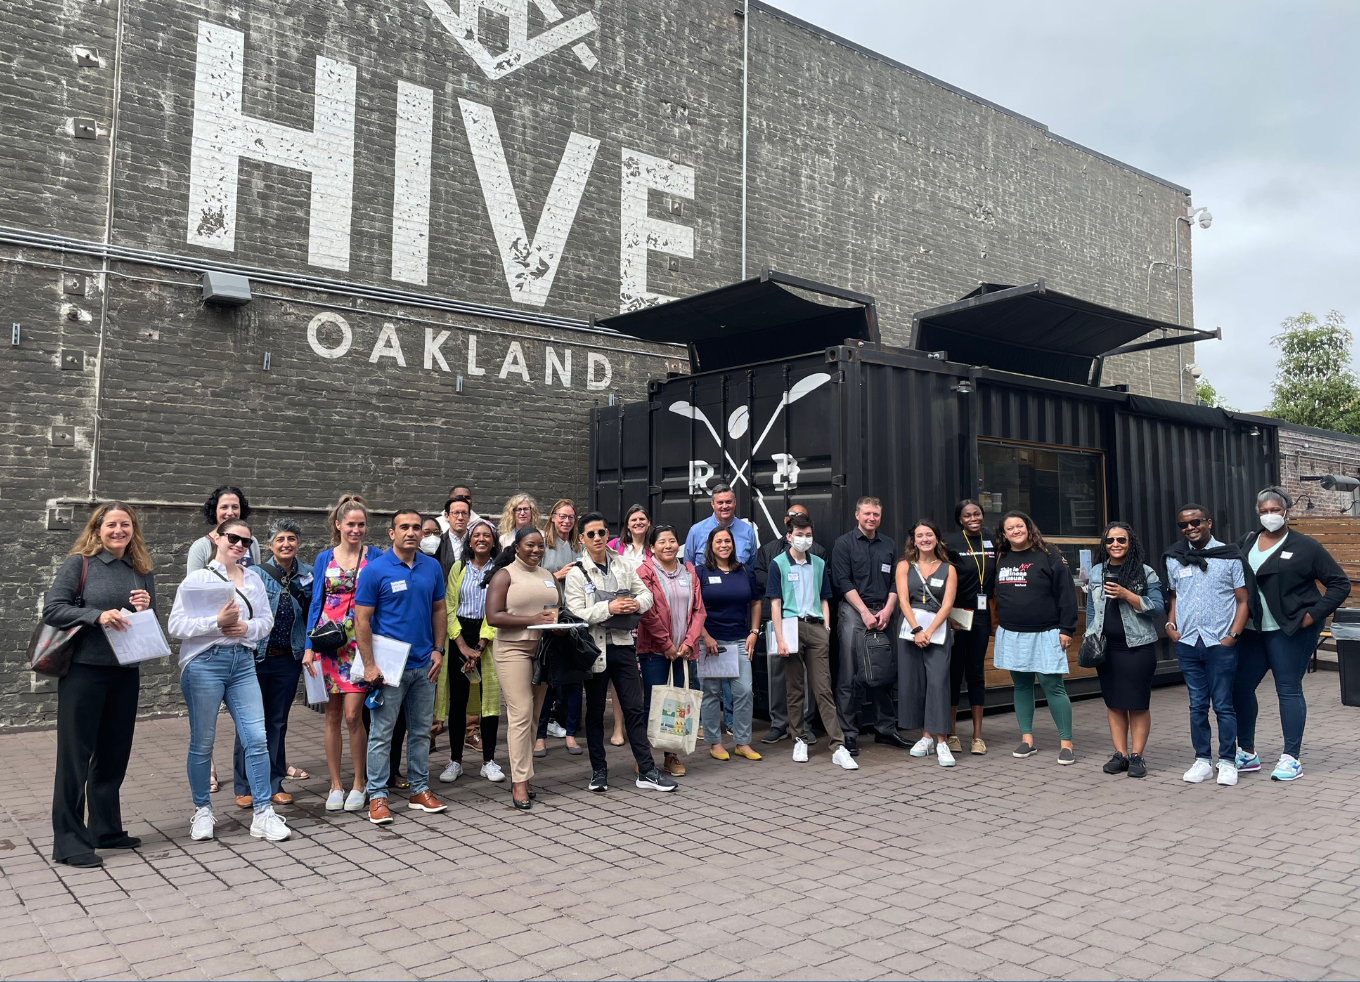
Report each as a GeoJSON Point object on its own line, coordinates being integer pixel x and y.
{"type": "Point", "coordinates": [250, 610]}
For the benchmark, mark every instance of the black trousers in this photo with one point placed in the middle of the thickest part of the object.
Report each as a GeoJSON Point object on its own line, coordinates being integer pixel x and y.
{"type": "Point", "coordinates": [278, 689]}
{"type": "Point", "coordinates": [968, 659]}
{"type": "Point", "coordinates": [621, 668]}
{"type": "Point", "coordinates": [459, 688]}
{"type": "Point", "coordinates": [96, 712]}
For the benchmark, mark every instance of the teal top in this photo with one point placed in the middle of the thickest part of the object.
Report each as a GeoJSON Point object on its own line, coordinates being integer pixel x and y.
{"type": "Point", "coordinates": [1255, 556]}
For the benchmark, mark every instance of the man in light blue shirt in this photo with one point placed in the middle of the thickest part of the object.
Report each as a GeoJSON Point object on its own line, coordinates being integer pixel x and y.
{"type": "Point", "coordinates": [724, 509]}
{"type": "Point", "coordinates": [1205, 617]}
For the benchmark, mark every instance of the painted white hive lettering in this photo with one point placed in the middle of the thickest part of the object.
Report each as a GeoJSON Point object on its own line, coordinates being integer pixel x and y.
{"type": "Point", "coordinates": [223, 135]}
{"type": "Point", "coordinates": [639, 233]}
{"type": "Point", "coordinates": [411, 188]}
{"type": "Point", "coordinates": [521, 49]}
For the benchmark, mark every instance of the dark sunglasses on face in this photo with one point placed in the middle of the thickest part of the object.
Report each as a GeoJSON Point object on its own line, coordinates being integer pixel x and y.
{"type": "Point", "coordinates": [239, 540]}
{"type": "Point", "coordinates": [597, 534]}
{"type": "Point", "coordinates": [1194, 523]}
{"type": "Point", "coordinates": [1123, 541]}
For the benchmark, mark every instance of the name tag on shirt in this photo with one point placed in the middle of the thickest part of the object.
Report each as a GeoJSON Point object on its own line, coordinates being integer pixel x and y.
{"type": "Point", "coordinates": [550, 583]}
{"type": "Point", "coordinates": [1286, 555]}
{"type": "Point", "coordinates": [1186, 571]}
{"type": "Point", "coordinates": [398, 586]}
{"type": "Point", "coordinates": [885, 568]}
{"type": "Point", "coordinates": [937, 582]}
{"type": "Point", "coordinates": [986, 543]}
{"type": "Point", "coordinates": [793, 577]}
{"type": "Point", "coordinates": [982, 601]}
{"type": "Point", "coordinates": [714, 580]}
{"type": "Point", "coordinates": [590, 589]}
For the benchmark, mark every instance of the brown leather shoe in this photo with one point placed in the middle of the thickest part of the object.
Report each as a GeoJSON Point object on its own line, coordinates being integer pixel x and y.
{"type": "Point", "coordinates": [378, 812]}
{"type": "Point", "coordinates": [426, 802]}
{"type": "Point", "coordinates": [282, 798]}
{"type": "Point", "coordinates": [673, 767]}
{"type": "Point", "coordinates": [244, 801]}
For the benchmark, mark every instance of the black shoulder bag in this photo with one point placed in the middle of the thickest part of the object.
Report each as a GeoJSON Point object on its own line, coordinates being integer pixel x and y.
{"type": "Point", "coordinates": [329, 636]}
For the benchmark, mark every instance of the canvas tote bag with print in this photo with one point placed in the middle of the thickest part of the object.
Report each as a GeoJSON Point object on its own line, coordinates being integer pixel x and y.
{"type": "Point", "coordinates": [673, 726]}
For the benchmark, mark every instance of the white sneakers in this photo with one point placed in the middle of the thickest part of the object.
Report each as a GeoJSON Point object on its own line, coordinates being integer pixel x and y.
{"type": "Point", "coordinates": [492, 772]}
{"type": "Point", "coordinates": [924, 747]}
{"type": "Point", "coordinates": [556, 729]}
{"type": "Point", "coordinates": [1200, 771]}
{"type": "Point", "coordinates": [451, 773]}
{"type": "Point", "coordinates": [842, 758]}
{"type": "Point", "coordinates": [202, 827]}
{"type": "Point", "coordinates": [799, 752]}
{"type": "Point", "coordinates": [945, 757]}
{"type": "Point", "coordinates": [355, 801]}
{"type": "Point", "coordinates": [335, 800]}
{"type": "Point", "coordinates": [267, 825]}
{"type": "Point", "coordinates": [1227, 773]}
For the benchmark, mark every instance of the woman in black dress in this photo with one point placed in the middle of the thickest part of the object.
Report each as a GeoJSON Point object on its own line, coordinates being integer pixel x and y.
{"type": "Point", "coordinates": [1123, 597]}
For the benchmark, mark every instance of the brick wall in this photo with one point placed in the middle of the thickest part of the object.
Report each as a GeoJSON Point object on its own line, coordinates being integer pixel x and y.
{"type": "Point", "coordinates": [1306, 451]}
{"type": "Point", "coordinates": [422, 185]}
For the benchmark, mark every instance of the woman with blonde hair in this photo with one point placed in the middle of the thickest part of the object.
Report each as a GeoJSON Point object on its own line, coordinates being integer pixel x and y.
{"type": "Point", "coordinates": [107, 572]}
{"type": "Point", "coordinates": [335, 574]}
{"type": "Point", "coordinates": [521, 511]}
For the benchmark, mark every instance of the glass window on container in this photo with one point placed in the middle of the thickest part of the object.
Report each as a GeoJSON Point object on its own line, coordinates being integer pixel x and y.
{"type": "Point", "coordinates": [1062, 490]}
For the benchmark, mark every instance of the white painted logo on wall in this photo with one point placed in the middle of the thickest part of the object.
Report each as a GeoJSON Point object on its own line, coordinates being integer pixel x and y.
{"type": "Point", "coordinates": [465, 26]}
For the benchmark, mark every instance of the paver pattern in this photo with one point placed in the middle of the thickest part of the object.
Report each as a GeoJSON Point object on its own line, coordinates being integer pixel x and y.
{"type": "Point", "coordinates": [998, 868]}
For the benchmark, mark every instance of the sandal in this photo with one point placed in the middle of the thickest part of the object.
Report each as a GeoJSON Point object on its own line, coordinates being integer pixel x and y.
{"type": "Point", "coordinates": [297, 774]}
{"type": "Point", "coordinates": [213, 786]}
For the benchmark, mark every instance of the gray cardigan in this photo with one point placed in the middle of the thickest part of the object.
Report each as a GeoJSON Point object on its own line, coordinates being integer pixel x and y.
{"type": "Point", "coordinates": [108, 586]}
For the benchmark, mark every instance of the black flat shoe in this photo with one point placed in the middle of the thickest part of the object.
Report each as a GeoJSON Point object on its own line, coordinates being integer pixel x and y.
{"type": "Point", "coordinates": [86, 860]}
{"type": "Point", "coordinates": [121, 842]}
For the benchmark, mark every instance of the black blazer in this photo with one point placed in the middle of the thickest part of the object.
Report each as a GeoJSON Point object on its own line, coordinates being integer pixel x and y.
{"type": "Point", "coordinates": [1288, 580]}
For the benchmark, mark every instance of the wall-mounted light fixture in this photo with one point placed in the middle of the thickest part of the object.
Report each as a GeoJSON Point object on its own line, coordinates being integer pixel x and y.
{"type": "Point", "coordinates": [964, 387]}
{"type": "Point", "coordinates": [226, 289]}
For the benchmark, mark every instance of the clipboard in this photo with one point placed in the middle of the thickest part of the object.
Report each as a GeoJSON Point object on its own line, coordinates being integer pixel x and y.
{"type": "Point", "coordinates": [390, 656]}
{"type": "Point", "coordinates": [790, 628]}
{"type": "Point", "coordinates": [142, 641]}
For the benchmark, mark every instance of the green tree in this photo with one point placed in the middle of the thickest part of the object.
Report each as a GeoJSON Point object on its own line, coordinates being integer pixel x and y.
{"type": "Point", "coordinates": [1314, 383]}
{"type": "Point", "coordinates": [1208, 395]}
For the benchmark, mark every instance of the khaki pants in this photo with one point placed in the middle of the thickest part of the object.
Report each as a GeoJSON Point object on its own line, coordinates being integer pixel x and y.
{"type": "Point", "coordinates": [523, 702]}
{"type": "Point", "coordinates": [813, 657]}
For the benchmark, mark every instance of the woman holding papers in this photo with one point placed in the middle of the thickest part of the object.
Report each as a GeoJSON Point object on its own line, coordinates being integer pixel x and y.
{"type": "Point", "coordinates": [334, 577]}
{"type": "Point", "coordinates": [107, 575]}
{"type": "Point", "coordinates": [221, 613]}
{"type": "Point", "coordinates": [732, 602]}
{"type": "Point", "coordinates": [926, 584]}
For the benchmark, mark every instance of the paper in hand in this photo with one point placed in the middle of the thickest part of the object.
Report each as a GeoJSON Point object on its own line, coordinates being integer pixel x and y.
{"type": "Point", "coordinates": [142, 641]}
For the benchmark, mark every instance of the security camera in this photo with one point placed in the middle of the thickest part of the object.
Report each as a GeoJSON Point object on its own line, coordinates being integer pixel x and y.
{"type": "Point", "coordinates": [1193, 370]}
{"type": "Point", "coordinates": [1205, 219]}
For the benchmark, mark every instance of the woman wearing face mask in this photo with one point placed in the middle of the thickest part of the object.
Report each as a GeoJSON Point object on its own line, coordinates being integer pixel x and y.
{"type": "Point", "coordinates": [429, 535]}
{"type": "Point", "coordinates": [1036, 608]}
{"type": "Point", "coordinates": [669, 631]}
{"type": "Point", "coordinates": [1123, 597]}
{"type": "Point", "coordinates": [475, 667]}
{"type": "Point", "coordinates": [521, 512]}
{"type": "Point", "coordinates": [1287, 614]}
{"type": "Point", "coordinates": [731, 619]}
{"type": "Point", "coordinates": [217, 664]}
{"type": "Point", "coordinates": [334, 577]}
{"type": "Point", "coordinates": [973, 555]}
{"type": "Point", "coordinates": [926, 585]}
{"type": "Point", "coordinates": [561, 547]}
{"type": "Point", "coordinates": [520, 593]}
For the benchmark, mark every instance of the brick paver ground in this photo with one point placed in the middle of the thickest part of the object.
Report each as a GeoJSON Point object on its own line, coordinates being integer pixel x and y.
{"type": "Point", "coordinates": [999, 868]}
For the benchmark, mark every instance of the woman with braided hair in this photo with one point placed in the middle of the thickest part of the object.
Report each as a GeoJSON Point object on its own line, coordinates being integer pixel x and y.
{"type": "Point", "coordinates": [1123, 596]}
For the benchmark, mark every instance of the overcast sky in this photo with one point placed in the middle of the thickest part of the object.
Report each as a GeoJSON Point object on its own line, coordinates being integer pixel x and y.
{"type": "Point", "coordinates": [1254, 106]}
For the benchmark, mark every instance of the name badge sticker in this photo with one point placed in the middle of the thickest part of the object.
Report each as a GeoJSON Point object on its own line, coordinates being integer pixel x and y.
{"type": "Point", "coordinates": [1186, 571]}
{"type": "Point", "coordinates": [886, 568]}
{"type": "Point", "coordinates": [793, 576]}
{"type": "Point", "coordinates": [715, 581]}
{"type": "Point", "coordinates": [937, 582]}
{"type": "Point", "coordinates": [550, 583]}
{"type": "Point", "coordinates": [1286, 555]}
{"type": "Point", "coordinates": [590, 589]}
{"type": "Point", "coordinates": [398, 586]}
{"type": "Point", "coordinates": [986, 543]}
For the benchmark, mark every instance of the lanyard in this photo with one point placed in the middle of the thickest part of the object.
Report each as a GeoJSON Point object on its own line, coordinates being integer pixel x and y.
{"type": "Point", "coordinates": [973, 555]}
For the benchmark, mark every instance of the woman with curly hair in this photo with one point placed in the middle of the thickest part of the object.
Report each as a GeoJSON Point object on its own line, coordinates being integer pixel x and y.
{"type": "Point", "coordinates": [520, 512]}
{"type": "Point", "coordinates": [224, 503]}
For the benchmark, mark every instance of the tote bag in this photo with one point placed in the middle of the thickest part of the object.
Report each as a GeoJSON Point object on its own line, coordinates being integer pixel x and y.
{"type": "Point", "coordinates": [673, 726]}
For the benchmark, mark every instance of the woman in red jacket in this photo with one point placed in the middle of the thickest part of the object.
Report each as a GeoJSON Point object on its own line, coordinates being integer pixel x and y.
{"type": "Point", "coordinates": [669, 630]}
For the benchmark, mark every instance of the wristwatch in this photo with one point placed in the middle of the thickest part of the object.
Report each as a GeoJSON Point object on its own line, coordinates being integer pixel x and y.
{"type": "Point", "coordinates": [438, 649]}
{"type": "Point", "coordinates": [917, 629]}
{"type": "Point", "coordinates": [1235, 635]}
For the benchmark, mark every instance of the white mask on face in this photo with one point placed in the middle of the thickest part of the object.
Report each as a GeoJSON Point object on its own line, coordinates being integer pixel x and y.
{"type": "Point", "coordinates": [429, 545]}
{"type": "Point", "coordinates": [1272, 521]}
{"type": "Point", "coordinates": [802, 542]}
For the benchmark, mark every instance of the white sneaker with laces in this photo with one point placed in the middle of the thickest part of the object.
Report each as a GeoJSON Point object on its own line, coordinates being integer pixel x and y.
{"type": "Point", "coordinates": [799, 752]}
{"type": "Point", "coordinates": [492, 772]}
{"type": "Point", "coordinates": [202, 827]}
{"type": "Point", "coordinates": [1200, 771]}
{"type": "Point", "coordinates": [335, 800]}
{"type": "Point", "coordinates": [945, 757]}
{"type": "Point", "coordinates": [923, 747]}
{"type": "Point", "coordinates": [555, 729]}
{"type": "Point", "coordinates": [355, 801]}
{"type": "Point", "coordinates": [842, 758]}
{"type": "Point", "coordinates": [267, 825]}
{"type": "Point", "coordinates": [1227, 773]}
{"type": "Point", "coordinates": [451, 773]}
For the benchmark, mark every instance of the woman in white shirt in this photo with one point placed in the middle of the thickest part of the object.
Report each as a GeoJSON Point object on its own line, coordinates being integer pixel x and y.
{"type": "Point", "coordinates": [217, 664]}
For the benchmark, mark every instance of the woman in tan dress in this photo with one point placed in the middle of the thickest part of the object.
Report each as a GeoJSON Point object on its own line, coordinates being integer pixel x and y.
{"type": "Point", "coordinates": [520, 593]}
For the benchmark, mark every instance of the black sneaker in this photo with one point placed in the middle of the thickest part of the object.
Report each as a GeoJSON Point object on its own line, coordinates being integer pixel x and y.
{"type": "Point", "coordinates": [1066, 756]}
{"type": "Point", "coordinates": [1117, 764]}
{"type": "Point", "coordinates": [851, 745]}
{"type": "Point", "coordinates": [655, 780]}
{"type": "Point", "coordinates": [599, 781]}
{"type": "Point", "coordinates": [1023, 750]}
{"type": "Point", "coordinates": [774, 736]}
{"type": "Point", "coordinates": [1137, 766]}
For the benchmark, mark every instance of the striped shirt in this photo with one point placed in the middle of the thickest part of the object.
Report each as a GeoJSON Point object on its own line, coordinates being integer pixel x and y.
{"type": "Point", "coordinates": [471, 593]}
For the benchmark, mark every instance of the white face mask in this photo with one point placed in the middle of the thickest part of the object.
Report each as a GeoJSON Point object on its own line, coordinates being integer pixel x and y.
{"type": "Point", "coordinates": [1272, 521]}
{"type": "Point", "coordinates": [802, 542]}
{"type": "Point", "coordinates": [429, 545]}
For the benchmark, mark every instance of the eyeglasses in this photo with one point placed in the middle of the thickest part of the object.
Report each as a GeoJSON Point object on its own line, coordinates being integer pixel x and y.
{"type": "Point", "coordinates": [597, 534]}
{"type": "Point", "coordinates": [1194, 523]}
{"type": "Point", "coordinates": [1122, 540]}
{"type": "Point", "coordinates": [239, 540]}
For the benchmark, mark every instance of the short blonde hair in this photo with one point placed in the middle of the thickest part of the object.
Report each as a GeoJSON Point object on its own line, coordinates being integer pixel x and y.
{"type": "Point", "coordinates": [507, 526]}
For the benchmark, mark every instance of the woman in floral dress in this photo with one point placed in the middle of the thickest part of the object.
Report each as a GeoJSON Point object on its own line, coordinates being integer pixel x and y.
{"type": "Point", "coordinates": [334, 578]}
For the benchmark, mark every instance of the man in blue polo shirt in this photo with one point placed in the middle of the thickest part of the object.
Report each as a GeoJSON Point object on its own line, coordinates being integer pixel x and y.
{"type": "Point", "coordinates": [724, 516]}
{"type": "Point", "coordinates": [401, 596]}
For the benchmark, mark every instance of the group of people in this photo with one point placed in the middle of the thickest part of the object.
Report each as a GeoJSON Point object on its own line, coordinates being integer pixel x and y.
{"type": "Point", "coordinates": [462, 604]}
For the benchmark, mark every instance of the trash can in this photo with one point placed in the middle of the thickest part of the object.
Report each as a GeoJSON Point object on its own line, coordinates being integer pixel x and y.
{"type": "Point", "coordinates": [1346, 633]}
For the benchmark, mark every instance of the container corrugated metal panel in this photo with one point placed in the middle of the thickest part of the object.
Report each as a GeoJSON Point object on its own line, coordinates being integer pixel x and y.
{"type": "Point", "coordinates": [1014, 412]}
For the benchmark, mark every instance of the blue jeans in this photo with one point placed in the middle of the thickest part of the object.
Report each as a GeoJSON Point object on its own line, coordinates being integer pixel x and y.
{"type": "Point", "coordinates": [278, 678]}
{"type": "Point", "coordinates": [727, 702]}
{"type": "Point", "coordinates": [416, 694]}
{"type": "Point", "coordinates": [1287, 659]}
{"type": "Point", "coordinates": [743, 701]}
{"type": "Point", "coordinates": [655, 670]}
{"type": "Point", "coordinates": [225, 673]}
{"type": "Point", "coordinates": [1209, 671]}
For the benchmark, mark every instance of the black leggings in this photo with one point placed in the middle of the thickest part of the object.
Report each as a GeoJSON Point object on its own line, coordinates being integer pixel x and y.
{"type": "Point", "coordinates": [459, 687]}
{"type": "Point", "coordinates": [967, 659]}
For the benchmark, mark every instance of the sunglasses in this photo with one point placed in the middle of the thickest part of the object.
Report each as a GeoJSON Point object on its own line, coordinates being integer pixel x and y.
{"type": "Point", "coordinates": [597, 534]}
{"type": "Point", "coordinates": [1194, 523]}
{"type": "Point", "coordinates": [1122, 540]}
{"type": "Point", "coordinates": [239, 540]}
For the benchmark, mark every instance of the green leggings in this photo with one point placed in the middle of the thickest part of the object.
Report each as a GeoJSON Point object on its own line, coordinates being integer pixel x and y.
{"type": "Point", "coordinates": [1056, 694]}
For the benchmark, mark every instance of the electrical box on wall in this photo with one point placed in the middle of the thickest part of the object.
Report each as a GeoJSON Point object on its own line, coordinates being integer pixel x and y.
{"type": "Point", "coordinates": [226, 289]}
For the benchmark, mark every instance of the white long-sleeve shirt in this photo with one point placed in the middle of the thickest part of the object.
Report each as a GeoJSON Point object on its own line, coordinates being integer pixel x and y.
{"type": "Point", "coordinates": [201, 633]}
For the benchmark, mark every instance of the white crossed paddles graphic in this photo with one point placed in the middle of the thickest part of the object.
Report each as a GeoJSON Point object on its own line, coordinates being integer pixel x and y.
{"type": "Point", "coordinates": [465, 26]}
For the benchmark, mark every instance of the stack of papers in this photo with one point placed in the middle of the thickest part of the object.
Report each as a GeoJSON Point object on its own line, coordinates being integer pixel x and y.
{"type": "Point", "coordinates": [142, 641]}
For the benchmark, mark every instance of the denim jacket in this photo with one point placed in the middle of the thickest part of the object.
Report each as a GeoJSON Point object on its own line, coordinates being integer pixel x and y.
{"type": "Point", "coordinates": [274, 590]}
{"type": "Point", "coordinates": [1140, 627]}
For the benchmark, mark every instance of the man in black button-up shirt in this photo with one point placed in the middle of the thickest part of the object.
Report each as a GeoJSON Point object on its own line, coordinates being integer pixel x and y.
{"type": "Point", "coordinates": [862, 573]}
